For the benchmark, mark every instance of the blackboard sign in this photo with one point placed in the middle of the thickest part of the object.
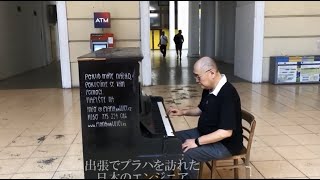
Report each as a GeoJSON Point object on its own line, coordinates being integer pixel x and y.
{"type": "Point", "coordinates": [109, 92]}
{"type": "Point", "coordinates": [114, 143]}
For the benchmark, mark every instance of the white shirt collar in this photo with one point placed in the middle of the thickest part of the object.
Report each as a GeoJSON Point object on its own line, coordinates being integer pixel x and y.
{"type": "Point", "coordinates": [222, 81]}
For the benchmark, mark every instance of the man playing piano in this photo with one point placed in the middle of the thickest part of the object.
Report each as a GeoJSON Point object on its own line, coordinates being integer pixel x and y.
{"type": "Point", "coordinates": [219, 130]}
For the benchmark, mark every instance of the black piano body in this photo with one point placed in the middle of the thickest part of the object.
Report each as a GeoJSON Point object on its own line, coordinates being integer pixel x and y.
{"type": "Point", "coordinates": [125, 133]}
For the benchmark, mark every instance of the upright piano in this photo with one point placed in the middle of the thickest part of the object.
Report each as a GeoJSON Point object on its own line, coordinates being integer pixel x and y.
{"type": "Point", "coordinates": [125, 132]}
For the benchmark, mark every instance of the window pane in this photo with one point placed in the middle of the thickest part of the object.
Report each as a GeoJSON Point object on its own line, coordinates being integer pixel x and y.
{"type": "Point", "coordinates": [154, 19]}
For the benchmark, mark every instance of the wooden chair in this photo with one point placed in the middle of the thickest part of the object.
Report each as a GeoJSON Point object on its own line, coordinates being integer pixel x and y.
{"type": "Point", "coordinates": [244, 156]}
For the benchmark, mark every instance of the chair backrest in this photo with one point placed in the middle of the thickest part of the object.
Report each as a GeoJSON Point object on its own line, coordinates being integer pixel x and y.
{"type": "Point", "coordinates": [248, 132]}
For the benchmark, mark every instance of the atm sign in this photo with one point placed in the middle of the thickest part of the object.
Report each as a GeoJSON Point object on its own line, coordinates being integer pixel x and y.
{"type": "Point", "coordinates": [102, 20]}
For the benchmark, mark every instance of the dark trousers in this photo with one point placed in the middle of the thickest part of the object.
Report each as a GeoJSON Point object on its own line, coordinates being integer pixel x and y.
{"type": "Point", "coordinates": [163, 49]}
{"type": "Point", "coordinates": [179, 48]}
{"type": "Point", "coordinates": [204, 153]}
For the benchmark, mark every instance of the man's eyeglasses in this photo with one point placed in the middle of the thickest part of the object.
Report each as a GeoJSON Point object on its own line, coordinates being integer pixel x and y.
{"type": "Point", "coordinates": [198, 76]}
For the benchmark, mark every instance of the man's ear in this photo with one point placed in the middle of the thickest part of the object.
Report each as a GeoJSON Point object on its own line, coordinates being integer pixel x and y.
{"type": "Point", "coordinates": [212, 74]}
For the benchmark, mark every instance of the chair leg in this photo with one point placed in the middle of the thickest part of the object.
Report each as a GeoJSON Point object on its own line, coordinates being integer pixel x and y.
{"type": "Point", "coordinates": [236, 170]}
{"type": "Point", "coordinates": [247, 173]}
{"type": "Point", "coordinates": [200, 170]}
{"type": "Point", "coordinates": [213, 168]}
{"type": "Point", "coordinates": [176, 174]}
{"type": "Point", "coordinates": [248, 169]}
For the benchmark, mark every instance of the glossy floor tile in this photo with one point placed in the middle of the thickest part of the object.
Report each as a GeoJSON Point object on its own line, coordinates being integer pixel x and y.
{"type": "Point", "coordinates": [41, 137]}
{"type": "Point", "coordinates": [310, 167]}
{"type": "Point", "coordinates": [278, 169]}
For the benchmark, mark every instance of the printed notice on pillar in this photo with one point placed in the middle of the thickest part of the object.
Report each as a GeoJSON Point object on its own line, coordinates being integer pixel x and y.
{"type": "Point", "coordinates": [103, 98]}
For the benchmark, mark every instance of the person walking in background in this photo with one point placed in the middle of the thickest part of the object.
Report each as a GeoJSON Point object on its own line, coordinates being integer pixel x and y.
{"type": "Point", "coordinates": [163, 43]}
{"type": "Point", "coordinates": [178, 40]}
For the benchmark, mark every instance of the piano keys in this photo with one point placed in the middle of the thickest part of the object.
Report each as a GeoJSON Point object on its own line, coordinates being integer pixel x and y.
{"type": "Point", "coordinates": [159, 123]}
{"type": "Point", "coordinates": [167, 124]}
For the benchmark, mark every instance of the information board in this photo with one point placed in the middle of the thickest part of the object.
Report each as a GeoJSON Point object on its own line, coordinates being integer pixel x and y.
{"type": "Point", "coordinates": [294, 69]}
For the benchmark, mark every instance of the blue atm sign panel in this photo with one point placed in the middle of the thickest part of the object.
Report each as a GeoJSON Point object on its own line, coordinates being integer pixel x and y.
{"type": "Point", "coordinates": [102, 20]}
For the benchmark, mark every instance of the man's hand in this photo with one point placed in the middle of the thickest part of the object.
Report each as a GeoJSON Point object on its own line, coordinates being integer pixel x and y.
{"type": "Point", "coordinates": [189, 144]}
{"type": "Point", "coordinates": [175, 112]}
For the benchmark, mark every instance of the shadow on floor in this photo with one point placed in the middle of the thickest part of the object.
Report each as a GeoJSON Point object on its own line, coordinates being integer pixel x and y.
{"type": "Point", "coordinates": [44, 77]}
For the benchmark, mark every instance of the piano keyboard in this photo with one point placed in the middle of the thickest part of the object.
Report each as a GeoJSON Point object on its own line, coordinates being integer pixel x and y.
{"type": "Point", "coordinates": [165, 119]}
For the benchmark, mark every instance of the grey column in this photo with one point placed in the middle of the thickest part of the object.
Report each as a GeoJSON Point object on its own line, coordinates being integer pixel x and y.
{"type": "Point", "coordinates": [193, 44]}
{"type": "Point", "coordinates": [207, 31]}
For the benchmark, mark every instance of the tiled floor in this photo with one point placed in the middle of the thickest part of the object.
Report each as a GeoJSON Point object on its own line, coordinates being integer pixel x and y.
{"type": "Point", "coordinates": [40, 129]}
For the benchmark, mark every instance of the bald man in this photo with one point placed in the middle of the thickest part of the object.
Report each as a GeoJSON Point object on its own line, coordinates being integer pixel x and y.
{"type": "Point", "coordinates": [219, 131]}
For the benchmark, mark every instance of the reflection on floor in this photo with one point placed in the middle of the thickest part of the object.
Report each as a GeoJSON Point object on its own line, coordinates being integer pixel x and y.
{"type": "Point", "coordinates": [40, 129]}
{"type": "Point", "coordinates": [173, 71]}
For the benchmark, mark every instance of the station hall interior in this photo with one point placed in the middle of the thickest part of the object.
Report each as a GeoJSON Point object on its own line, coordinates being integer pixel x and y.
{"type": "Point", "coordinates": [40, 119]}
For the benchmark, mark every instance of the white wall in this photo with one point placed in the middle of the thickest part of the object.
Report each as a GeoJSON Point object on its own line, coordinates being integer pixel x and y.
{"type": "Point", "coordinates": [22, 46]}
{"type": "Point", "coordinates": [46, 32]}
{"type": "Point", "coordinates": [145, 66]}
{"type": "Point", "coordinates": [225, 31]}
{"type": "Point", "coordinates": [183, 21]}
{"type": "Point", "coordinates": [208, 27]}
{"type": "Point", "coordinates": [194, 29]}
{"type": "Point", "coordinates": [291, 28]}
{"type": "Point", "coordinates": [244, 40]}
{"type": "Point", "coordinates": [171, 24]}
{"type": "Point", "coordinates": [55, 37]}
{"type": "Point", "coordinates": [249, 32]}
{"type": "Point", "coordinates": [77, 17]}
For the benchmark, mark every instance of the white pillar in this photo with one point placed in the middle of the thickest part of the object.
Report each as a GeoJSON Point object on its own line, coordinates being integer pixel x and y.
{"type": "Point", "coordinates": [64, 44]}
{"type": "Point", "coordinates": [145, 43]}
{"type": "Point", "coordinates": [171, 24]}
{"type": "Point", "coordinates": [183, 15]}
{"type": "Point", "coordinates": [249, 40]}
{"type": "Point", "coordinates": [258, 42]}
{"type": "Point", "coordinates": [207, 35]}
{"type": "Point", "coordinates": [193, 43]}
